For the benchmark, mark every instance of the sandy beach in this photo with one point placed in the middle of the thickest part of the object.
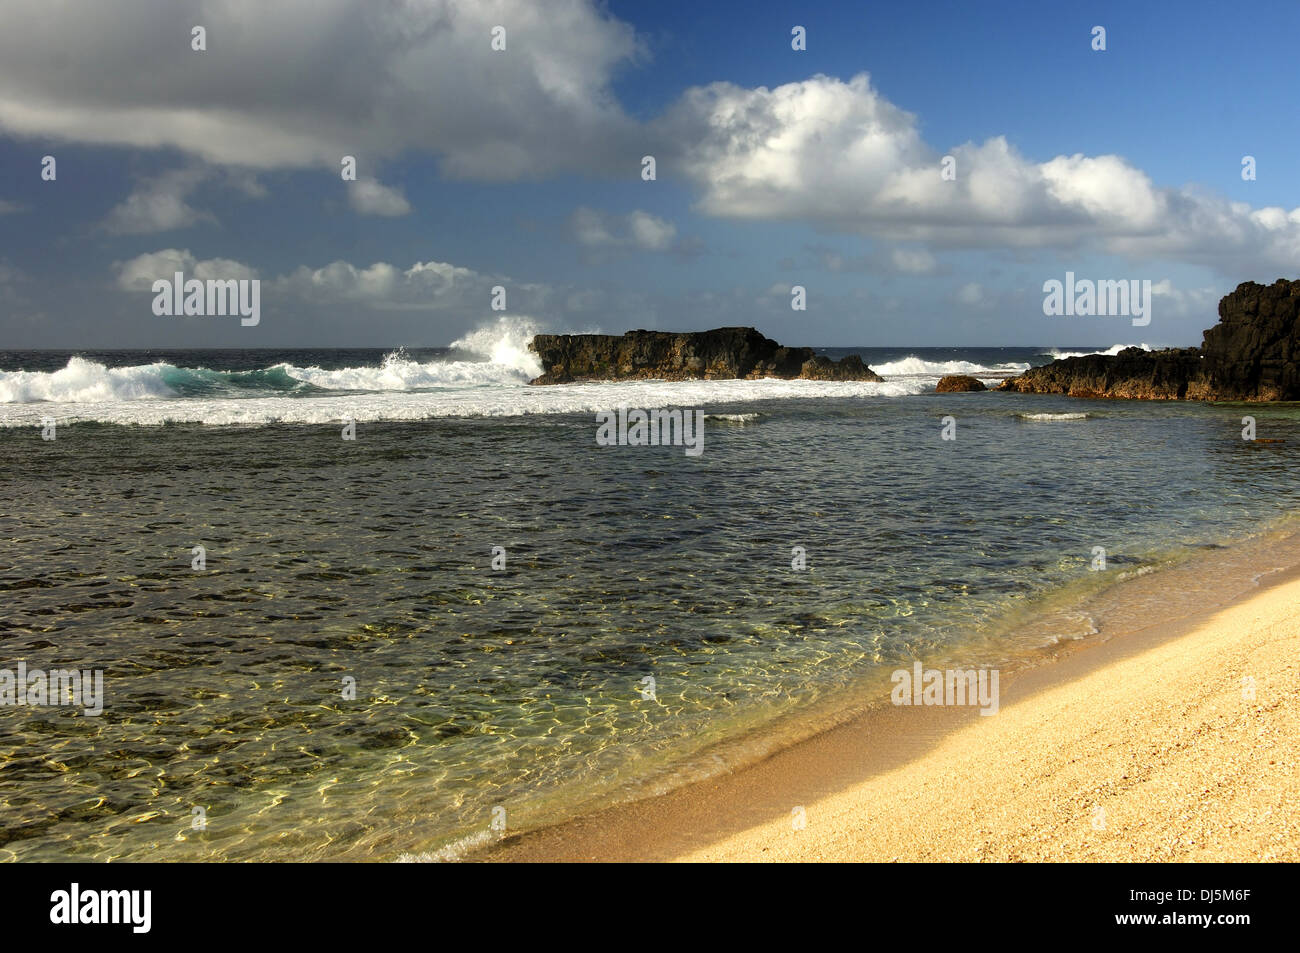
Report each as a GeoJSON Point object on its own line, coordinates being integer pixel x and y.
{"type": "Point", "coordinates": [1158, 756]}
{"type": "Point", "coordinates": [1172, 743]}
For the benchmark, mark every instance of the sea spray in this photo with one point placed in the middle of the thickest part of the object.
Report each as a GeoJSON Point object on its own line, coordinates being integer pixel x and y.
{"type": "Point", "coordinates": [505, 344]}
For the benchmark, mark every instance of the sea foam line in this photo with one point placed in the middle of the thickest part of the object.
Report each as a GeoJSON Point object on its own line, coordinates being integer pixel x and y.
{"type": "Point", "coordinates": [516, 400]}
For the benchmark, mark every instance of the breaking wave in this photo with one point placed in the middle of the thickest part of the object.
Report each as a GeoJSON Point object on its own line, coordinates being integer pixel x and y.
{"type": "Point", "coordinates": [497, 354]}
{"type": "Point", "coordinates": [917, 367]}
{"type": "Point", "coordinates": [513, 399]}
{"type": "Point", "coordinates": [1112, 350]}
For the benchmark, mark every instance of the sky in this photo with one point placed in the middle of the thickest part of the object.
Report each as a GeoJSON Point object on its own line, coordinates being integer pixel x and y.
{"type": "Point", "coordinates": [522, 168]}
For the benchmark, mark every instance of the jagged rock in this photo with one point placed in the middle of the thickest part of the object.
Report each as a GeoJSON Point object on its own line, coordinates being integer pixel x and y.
{"type": "Point", "coordinates": [849, 368]}
{"type": "Point", "coordinates": [720, 354]}
{"type": "Point", "coordinates": [956, 383]}
{"type": "Point", "coordinates": [1132, 373]}
{"type": "Point", "coordinates": [1250, 355]}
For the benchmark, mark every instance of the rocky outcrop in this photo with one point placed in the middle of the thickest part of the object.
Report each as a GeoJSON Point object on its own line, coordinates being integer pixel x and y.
{"type": "Point", "coordinates": [1250, 355]}
{"type": "Point", "coordinates": [821, 368]}
{"type": "Point", "coordinates": [1132, 373]}
{"type": "Point", "coordinates": [720, 354]}
{"type": "Point", "coordinates": [957, 383]}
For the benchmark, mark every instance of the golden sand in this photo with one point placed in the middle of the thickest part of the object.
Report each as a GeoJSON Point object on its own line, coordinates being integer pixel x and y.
{"type": "Point", "coordinates": [1181, 748]}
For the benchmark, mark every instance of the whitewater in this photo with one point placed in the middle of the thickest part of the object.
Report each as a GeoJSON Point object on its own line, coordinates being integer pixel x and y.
{"type": "Point", "coordinates": [483, 374]}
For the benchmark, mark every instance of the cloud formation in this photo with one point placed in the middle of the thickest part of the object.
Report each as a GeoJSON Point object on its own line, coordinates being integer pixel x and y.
{"type": "Point", "coordinates": [159, 204]}
{"type": "Point", "coordinates": [637, 229]}
{"type": "Point", "coordinates": [841, 156]}
{"type": "Point", "coordinates": [370, 197]}
{"type": "Point", "coordinates": [139, 273]}
{"type": "Point", "coordinates": [300, 83]}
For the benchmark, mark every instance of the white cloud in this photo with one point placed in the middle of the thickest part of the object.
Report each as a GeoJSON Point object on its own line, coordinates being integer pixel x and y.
{"type": "Point", "coordinates": [159, 205]}
{"type": "Point", "coordinates": [369, 197]}
{"type": "Point", "coordinates": [424, 286]}
{"type": "Point", "coordinates": [637, 229]}
{"type": "Point", "coordinates": [301, 83]}
{"type": "Point", "coordinates": [139, 273]}
{"type": "Point", "coordinates": [839, 155]}
{"type": "Point", "coordinates": [650, 232]}
{"type": "Point", "coordinates": [381, 286]}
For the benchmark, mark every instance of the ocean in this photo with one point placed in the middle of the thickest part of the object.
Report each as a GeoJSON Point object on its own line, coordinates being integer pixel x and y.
{"type": "Point", "coordinates": [472, 620]}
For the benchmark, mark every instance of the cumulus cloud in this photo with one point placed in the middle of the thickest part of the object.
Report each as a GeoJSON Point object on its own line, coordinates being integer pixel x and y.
{"type": "Point", "coordinates": [303, 82]}
{"type": "Point", "coordinates": [637, 229]}
{"type": "Point", "coordinates": [840, 155]}
{"type": "Point", "coordinates": [139, 273]}
{"type": "Point", "coordinates": [340, 291]}
{"type": "Point", "coordinates": [370, 197]}
{"type": "Point", "coordinates": [423, 286]}
{"type": "Point", "coordinates": [160, 205]}
{"type": "Point", "coordinates": [431, 285]}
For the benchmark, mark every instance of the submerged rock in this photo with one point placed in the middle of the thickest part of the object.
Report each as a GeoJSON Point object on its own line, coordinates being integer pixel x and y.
{"type": "Point", "coordinates": [956, 383]}
{"type": "Point", "coordinates": [720, 354]}
{"type": "Point", "coordinates": [1250, 355]}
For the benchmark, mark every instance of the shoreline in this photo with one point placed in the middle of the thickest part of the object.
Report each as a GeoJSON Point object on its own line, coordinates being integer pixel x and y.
{"type": "Point", "coordinates": [900, 755]}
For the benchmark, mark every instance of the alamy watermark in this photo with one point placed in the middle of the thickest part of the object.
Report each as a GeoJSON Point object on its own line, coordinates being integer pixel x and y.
{"type": "Point", "coordinates": [176, 296]}
{"type": "Point", "coordinates": [130, 907]}
{"type": "Point", "coordinates": [1106, 298]}
{"type": "Point", "coordinates": [954, 686]}
{"type": "Point", "coordinates": [651, 428]}
{"type": "Point", "coordinates": [56, 688]}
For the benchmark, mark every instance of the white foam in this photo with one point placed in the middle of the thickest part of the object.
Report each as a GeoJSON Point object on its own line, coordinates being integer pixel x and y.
{"type": "Point", "coordinates": [917, 367]}
{"type": "Point", "coordinates": [1052, 416]}
{"type": "Point", "coordinates": [1134, 573]}
{"type": "Point", "coordinates": [399, 373]}
{"type": "Point", "coordinates": [505, 344]}
{"type": "Point", "coordinates": [1112, 351]}
{"type": "Point", "coordinates": [451, 853]}
{"type": "Point", "coordinates": [83, 381]}
{"type": "Point", "coordinates": [501, 400]}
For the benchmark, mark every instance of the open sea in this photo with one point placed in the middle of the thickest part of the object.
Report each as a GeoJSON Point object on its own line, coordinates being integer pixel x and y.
{"type": "Point", "coordinates": [349, 676]}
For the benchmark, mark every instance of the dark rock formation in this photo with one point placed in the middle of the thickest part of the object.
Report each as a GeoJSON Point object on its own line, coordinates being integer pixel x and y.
{"type": "Point", "coordinates": [956, 383]}
{"type": "Point", "coordinates": [722, 353]}
{"type": "Point", "coordinates": [1250, 355]}
{"type": "Point", "coordinates": [1132, 373]}
{"type": "Point", "coordinates": [822, 368]}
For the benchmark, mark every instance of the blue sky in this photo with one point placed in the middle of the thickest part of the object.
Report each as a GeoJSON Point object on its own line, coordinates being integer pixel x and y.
{"type": "Point", "coordinates": [521, 168]}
